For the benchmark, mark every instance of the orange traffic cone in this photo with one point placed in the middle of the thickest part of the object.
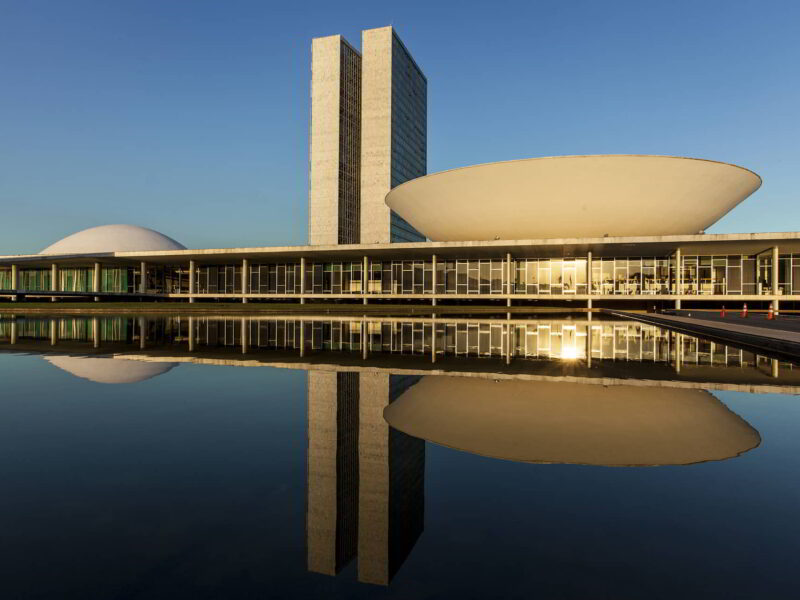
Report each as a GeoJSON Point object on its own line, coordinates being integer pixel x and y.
{"type": "Point", "coordinates": [770, 314]}
{"type": "Point", "coordinates": [722, 312]}
{"type": "Point", "coordinates": [744, 311]}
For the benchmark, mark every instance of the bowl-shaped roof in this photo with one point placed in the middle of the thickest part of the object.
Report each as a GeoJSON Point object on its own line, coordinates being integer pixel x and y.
{"type": "Point", "coordinates": [571, 422]}
{"type": "Point", "coordinates": [113, 238]}
{"type": "Point", "coordinates": [573, 197]}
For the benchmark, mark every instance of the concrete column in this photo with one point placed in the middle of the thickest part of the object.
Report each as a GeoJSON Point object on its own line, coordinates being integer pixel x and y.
{"type": "Point", "coordinates": [302, 280]}
{"type": "Point", "coordinates": [14, 281]}
{"type": "Point", "coordinates": [245, 335]}
{"type": "Point", "coordinates": [13, 329]}
{"type": "Point", "coordinates": [364, 336]}
{"type": "Point", "coordinates": [191, 280]}
{"type": "Point", "coordinates": [589, 274]}
{"type": "Point", "coordinates": [775, 278]}
{"type": "Point", "coordinates": [589, 306]}
{"type": "Point", "coordinates": [678, 277]}
{"type": "Point", "coordinates": [143, 277]}
{"type": "Point", "coordinates": [433, 261]}
{"type": "Point", "coordinates": [245, 280]}
{"type": "Point", "coordinates": [53, 280]}
{"type": "Point", "coordinates": [53, 332]}
{"type": "Point", "coordinates": [96, 281]}
{"type": "Point", "coordinates": [191, 334]}
{"type": "Point", "coordinates": [142, 333]}
{"type": "Point", "coordinates": [96, 332]}
{"type": "Point", "coordinates": [775, 367]}
{"type": "Point", "coordinates": [678, 352]}
{"type": "Point", "coordinates": [365, 278]}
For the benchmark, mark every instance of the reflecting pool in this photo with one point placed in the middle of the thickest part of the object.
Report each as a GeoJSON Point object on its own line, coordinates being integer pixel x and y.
{"type": "Point", "coordinates": [199, 457]}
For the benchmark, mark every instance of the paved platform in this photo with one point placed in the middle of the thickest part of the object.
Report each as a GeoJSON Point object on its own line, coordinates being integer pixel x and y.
{"type": "Point", "coordinates": [780, 323]}
{"type": "Point", "coordinates": [781, 336]}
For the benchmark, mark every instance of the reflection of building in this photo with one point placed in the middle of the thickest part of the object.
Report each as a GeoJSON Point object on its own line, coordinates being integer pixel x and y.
{"type": "Point", "coordinates": [365, 480]}
{"type": "Point", "coordinates": [535, 348]}
{"type": "Point", "coordinates": [566, 422]}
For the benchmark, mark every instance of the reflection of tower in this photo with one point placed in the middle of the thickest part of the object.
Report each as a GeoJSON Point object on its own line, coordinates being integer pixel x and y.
{"type": "Point", "coordinates": [391, 467]}
{"type": "Point", "coordinates": [331, 520]}
{"type": "Point", "coordinates": [365, 480]}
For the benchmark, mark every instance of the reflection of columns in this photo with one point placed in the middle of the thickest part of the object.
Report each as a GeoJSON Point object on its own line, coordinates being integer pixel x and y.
{"type": "Point", "coordinates": [245, 280]}
{"type": "Point", "coordinates": [14, 330]}
{"type": "Point", "coordinates": [391, 470]}
{"type": "Point", "coordinates": [142, 333]}
{"type": "Point", "coordinates": [96, 332]}
{"type": "Point", "coordinates": [365, 278]}
{"type": "Point", "coordinates": [678, 277]}
{"type": "Point", "coordinates": [143, 277]}
{"type": "Point", "coordinates": [775, 277]}
{"type": "Point", "coordinates": [53, 332]}
{"type": "Point", "coordinates": [191, 280]}
{"type": "Point", "coordinates": [509, 342]}
{"type": "Point", "coordinates": [332, 471]}
{"type": "Point", "coordinates": [433, 278]}
{"type": "Point", "coordinates": [775, 367]}
{"type": "Point", "coordinates": [14, 281]}
{"type": "Point", "coordinates": [96, 281]}
{"type": "Point", "coordinates": [433, 338]}
{"type": "Point", "coordinates": [191, 334]}
{"type": "Point", "coordinates": [589, 341]}
{"type": "Point", "coordinates": [364, 339]}
{"type": "Point", "coordinates": [53, 280]}
{"type": "Point", "coordinates": [302, 338]}
{"type": "Point", "coordinates": [245, 336]}
{"type": "Point", "coordinates": [302, 280]}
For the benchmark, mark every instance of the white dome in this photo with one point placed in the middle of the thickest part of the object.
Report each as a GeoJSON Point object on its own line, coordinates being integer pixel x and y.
{"type": "Point", "coordinates": [109, 370]}
{"type": "Point", "coordinates": [113, 238]}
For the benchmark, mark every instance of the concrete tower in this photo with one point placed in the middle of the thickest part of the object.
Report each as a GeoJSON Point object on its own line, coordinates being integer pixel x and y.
{"type": "Point", "coordinates": [368, 134]}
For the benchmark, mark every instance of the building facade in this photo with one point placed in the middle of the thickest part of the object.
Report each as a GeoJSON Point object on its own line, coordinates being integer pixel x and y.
{"type": "Point", "coordinates": [368, 133]}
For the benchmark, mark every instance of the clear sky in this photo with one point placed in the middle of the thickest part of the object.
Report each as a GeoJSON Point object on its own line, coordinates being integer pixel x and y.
{"type": "Point", "coordinates": [191, 116]}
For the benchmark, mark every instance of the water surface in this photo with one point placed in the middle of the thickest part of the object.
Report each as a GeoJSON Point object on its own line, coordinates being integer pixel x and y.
{"type": "Point", "coordinates": [242, 458]}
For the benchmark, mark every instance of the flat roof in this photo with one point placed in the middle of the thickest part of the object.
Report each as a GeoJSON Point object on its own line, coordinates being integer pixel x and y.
{"type": "Point", "coordinates": [706, 243]}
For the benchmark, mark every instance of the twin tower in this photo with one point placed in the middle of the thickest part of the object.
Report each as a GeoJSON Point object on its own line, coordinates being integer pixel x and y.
{"type": "Point", "coordinates": [368, 134]}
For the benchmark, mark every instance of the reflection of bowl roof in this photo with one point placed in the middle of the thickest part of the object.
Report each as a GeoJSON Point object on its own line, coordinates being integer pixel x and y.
{"type": "Point", "coordinates": [109, 370]}
{"type": "Point", "coordinates": [571, 422]}
{"type": "Point", "coordinates": [573, 197]}
{"type": "Point", "coordinates": [113, 238]}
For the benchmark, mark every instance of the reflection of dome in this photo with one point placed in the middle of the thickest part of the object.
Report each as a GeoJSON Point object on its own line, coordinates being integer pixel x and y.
{"type": "Point", "coordinates": [113, 238]}
{"type": "Point", "coordinates": [572, 422]}
{"type": "Point", "coordinates": [573, 197]}
{"type": "Point", "coordinates": [109, 370]}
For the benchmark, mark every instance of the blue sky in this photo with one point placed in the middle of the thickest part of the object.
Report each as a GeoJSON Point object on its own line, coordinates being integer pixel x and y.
{"type": "Point", "coordinates": [191, 116]}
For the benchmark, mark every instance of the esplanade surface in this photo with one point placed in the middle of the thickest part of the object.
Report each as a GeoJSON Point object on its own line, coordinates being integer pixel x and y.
{"type": "Point", "coordinates": [573, 196]}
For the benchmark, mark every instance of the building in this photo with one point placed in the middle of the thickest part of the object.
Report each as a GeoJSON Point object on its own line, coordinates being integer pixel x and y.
{"type": "Point", "coordinates": [368, 133]}
{"type": "Point", "coordinates": [570, 231]}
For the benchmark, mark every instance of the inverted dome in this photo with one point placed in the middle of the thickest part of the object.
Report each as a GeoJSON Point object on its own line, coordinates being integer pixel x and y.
{"type": "Point", "coordinates": [572, 422]}
{"type": "Point", "coordinates": [113, 238]}
{"type": "Point", "coordinates": [573, 197]}
{"type": "Point", "coordinates": [109, 370]}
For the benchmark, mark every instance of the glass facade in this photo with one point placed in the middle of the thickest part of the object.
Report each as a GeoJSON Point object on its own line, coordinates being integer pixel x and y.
{"type": "Point", "coordinates": [700, 275]}
{"type": "Point", "coordinates": [349, 231]}
{"type": "Point", "coordinates": [409, 131]}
